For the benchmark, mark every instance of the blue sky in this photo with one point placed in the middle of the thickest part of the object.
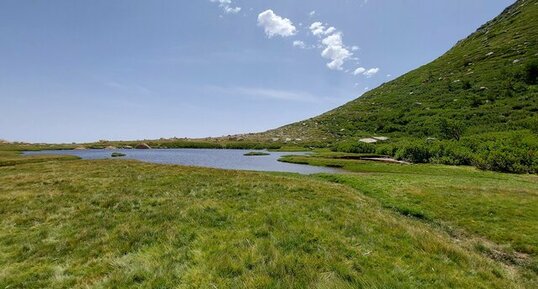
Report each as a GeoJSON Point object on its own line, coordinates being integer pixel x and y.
{"type": "Point", "coordinates": [73, 70]}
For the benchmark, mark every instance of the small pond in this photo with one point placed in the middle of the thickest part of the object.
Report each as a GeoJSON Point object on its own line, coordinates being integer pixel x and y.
{"type": "Point", "coordinates": [212, 158]}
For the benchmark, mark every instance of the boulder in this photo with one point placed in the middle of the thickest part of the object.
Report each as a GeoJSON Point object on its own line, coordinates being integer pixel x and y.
{"type": "Point", "coordinates": [368, 140]}
{"type": "Point", "coordinates": [142, 146]}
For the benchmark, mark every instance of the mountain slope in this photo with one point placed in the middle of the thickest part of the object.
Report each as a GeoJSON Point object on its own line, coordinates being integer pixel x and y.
{"type": "Point", "coordinates": [487, 82]}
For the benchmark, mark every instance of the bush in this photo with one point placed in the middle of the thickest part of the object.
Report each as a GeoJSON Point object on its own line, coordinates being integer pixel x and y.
{"type": "Point", "coordinates": [386, 149]}
{"type": "Point", "coordinates": [415, 152]}
{"type": "Point", "coordinates": [354, 147]}
{"type": "Point", "coordinates": [514, 155]}
{"type": "Point", "coordinates": [451, 129]}
{"type": "Point", "coordinates": [509, 152]}
{"type": "Point", "coordinates": [451, 153]}
{"type": "Point", "coordinates": [531, 73]}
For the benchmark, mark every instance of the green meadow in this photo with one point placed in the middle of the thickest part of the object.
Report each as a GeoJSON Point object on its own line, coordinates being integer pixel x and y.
{"type": "Point", "coordinates": [441, 207]}
{"type": "Point", "coordinates": [69, 223]}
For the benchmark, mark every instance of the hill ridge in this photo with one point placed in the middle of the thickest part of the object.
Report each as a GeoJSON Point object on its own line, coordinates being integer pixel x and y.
{"type": "Point", "coordinates": [481, 81]}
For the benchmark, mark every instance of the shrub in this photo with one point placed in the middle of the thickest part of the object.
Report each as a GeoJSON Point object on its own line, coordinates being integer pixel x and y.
{"type": "Point", "coordinates": [509, 158]}
{"type": "Point", "coordinates": [353, 147]}
{"type": "Point", "coordinates": [416, 152]}
{"type": "Point", "coordinates": [386, 149]}
{"type": "Point", "coordinates": [531, 73]}
{"type": "Point", "coordinates": [451, 129]}
{"type": "Point", "coordinates": [509, 152]}
{"type": "Point", "coordinates": [451, 153]}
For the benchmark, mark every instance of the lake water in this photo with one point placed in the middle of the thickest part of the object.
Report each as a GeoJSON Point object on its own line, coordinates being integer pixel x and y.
{"type": "Point", "coordinates": [212, 158]}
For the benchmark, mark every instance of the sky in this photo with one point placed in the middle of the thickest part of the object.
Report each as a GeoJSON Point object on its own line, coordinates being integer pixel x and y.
{"type": "Point", "coordinates": [82, 71]}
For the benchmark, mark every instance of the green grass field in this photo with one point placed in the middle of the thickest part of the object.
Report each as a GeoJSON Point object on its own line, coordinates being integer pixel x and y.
{"type": "Point", "coordinates": [116, 223]}
{"type": "Point", "coordinates": [67, 223]}
{"type": "Point", "coordinates": [496, 213]}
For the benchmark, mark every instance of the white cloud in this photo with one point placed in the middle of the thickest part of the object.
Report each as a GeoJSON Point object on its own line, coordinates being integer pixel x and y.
{"type": "Point", "coordinates": [371, 72]}
{"type": "Point", "coordinates": [354, 48]}
{"type": "Point", "coordinates": [359, 70]}
{"type": "Point", "coordinates": [318, 29]}
{"type": "Point", "coordinates": [335, 51]}
{"type": "Point", "coordinates": [312, 13]}
{"type": "Point", "coordinates": [299, 44]}
{"type": "Point", "coordinates": [276, 25]}
{"type": "Point", "coordinates": [366, 72]}
{"type": "Point", "coordinates": [330, 30]}
{"type": "Point", "coordinates": [227, 7]}
{"type": "Point", "coordinates": [332, 45]}
{"type": "Point", "coordinates": [333, 40]}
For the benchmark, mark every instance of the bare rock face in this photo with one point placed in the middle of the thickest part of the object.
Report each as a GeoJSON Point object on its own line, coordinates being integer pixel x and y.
{"type": "Point", "coordinates": [142, 146]}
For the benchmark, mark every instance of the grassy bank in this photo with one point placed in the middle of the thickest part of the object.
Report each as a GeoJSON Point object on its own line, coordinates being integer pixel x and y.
{"type": "Point", "coordinates": [497, 212]}
{"type": "Point", "coordinates": [114, 223]}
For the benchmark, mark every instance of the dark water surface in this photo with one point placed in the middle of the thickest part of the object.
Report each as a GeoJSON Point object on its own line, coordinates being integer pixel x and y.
{"type": "Point", "coordinates": [212, 158]}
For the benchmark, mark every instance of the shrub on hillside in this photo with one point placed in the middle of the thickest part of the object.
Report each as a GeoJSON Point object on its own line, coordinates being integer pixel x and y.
{"type": "Point", "coordinates": [251, 146]}
{"type": "Point", "coordinates": [353, 146]}
{"type": "Point", "coordinates": [451, 129]}
{"type": "Point", "coordinates": [414, 151]}
{"type": "Point", "coordinates": [386, 149]}
{"type": "Point", "coordinates": [451, 153]}
{"type": "Point", "coordinates": [531, 73]}
{"type": "Point", "coordinates": [510, 153]}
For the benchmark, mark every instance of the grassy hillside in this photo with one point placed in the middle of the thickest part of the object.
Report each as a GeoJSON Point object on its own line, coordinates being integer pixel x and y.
{"type": "Point", "coordinates": [488, 82]}
{"type": "Point", "coordinates": [68, 223]}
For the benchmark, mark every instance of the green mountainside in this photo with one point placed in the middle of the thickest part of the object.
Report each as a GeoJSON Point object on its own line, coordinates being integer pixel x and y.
{"type": "Point", "coordinates": [486, 82]}
{"type": "Point", "coordinates": [475, 105]}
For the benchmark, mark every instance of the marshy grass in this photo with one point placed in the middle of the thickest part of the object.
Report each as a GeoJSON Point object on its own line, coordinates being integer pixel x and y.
{"type": "Point", "coordinates": [489, 210]}
{"type": "Point", "coordinates": [118, 223]}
